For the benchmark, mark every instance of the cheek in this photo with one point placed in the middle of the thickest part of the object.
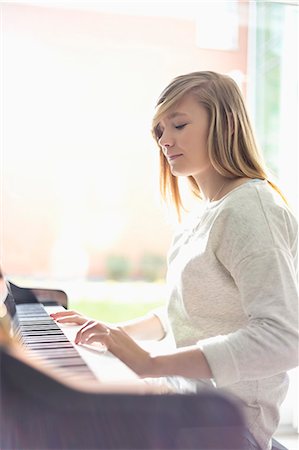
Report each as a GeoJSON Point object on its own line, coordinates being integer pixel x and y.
{"type": "Point", "coordinates": [203, 142]}
{"type": "Point", "coordinates": [200, 144]}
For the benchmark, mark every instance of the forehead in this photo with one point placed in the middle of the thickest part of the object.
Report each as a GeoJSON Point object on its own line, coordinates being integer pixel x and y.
{"type": "Point", "coordinates": [187, 106]}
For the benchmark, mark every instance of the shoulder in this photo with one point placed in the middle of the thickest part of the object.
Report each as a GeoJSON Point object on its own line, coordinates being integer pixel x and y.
{"type": "Point", "coordinates": [257, 204]}
{"type": "Point", "coordinates": [254, 216]}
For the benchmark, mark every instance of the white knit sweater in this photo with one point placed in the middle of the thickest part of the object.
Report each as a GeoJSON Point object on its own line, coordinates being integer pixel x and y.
{"type": "Point", "coordinates": [233, 290]}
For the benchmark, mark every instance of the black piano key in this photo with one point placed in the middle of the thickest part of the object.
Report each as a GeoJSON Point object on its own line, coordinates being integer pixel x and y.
{"type": "Point", "coordinates": [42, 333]}
{"type": "Point", "coordinates": [47, 342]}
{"type": "Point", "coordinates": [68, 362]}
{"type": "Point", "coordinates": [57, 353]}
{"type": "Point", "coordinates": [45, 345]}
{"type": "Point", "coordinates": [43, 339]}
{"type": "Point", "coordinates": [26, 328]}
{"type": "Point", "coordinates": [36, 322]}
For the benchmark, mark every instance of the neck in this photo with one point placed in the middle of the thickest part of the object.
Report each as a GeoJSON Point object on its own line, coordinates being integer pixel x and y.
{"type": "Point", "coordinates": [217, 195]}
{"type": "Point", "coordinates": [212, 184]}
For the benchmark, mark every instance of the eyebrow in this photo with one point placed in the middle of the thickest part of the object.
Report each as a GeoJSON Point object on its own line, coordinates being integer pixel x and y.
{"type": "Point", "coordinates": [172, 116]}
{"type": "Point", "coordinates": [175, 114]}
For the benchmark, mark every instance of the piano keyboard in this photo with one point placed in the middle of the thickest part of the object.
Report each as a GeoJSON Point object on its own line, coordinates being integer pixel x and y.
{"type": "Point", "coordinates": [42, 336]}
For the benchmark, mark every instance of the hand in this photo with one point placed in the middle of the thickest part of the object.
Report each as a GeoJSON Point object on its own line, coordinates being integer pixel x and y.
{"type": "Point", "coordinates": [93, 331]}
{"type": "Point", "coordinates": [69, 317]}
{"type": "Point", "coordinates": [118, 342]}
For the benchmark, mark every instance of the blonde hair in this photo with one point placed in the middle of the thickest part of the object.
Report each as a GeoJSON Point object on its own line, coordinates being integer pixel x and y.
{"type": "Point", "coordinates": [231, 144]}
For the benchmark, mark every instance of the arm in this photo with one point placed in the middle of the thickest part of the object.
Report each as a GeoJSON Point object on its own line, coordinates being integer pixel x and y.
{"type": "Point", "coordinates": [148, 327]}
{"type": "Point", "coordinates": [268, 345]}
{"type": "Point", "coordinates": [188, 362]}
{"type": "Point", "coordinates": [255, 241]}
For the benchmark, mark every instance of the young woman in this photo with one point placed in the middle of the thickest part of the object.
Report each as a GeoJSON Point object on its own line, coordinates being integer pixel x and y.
{"type": "Point", "coordinates": [232, 307]}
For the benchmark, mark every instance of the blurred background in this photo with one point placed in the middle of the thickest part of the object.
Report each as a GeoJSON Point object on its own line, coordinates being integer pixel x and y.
{"type": "Point", "coordinates": [80, 203]}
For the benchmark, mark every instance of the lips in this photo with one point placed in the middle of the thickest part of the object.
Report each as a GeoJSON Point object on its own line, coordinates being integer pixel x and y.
{"type": "Point", "coordinates": [173, 157]}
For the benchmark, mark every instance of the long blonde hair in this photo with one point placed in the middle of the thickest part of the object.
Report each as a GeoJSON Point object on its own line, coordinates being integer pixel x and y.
{"type": "Point", "coordinates": [231, 144]}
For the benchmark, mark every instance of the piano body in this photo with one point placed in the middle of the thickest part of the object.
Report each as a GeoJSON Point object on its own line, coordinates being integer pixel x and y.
{"type": "Point", "coordinates": [41, 409]}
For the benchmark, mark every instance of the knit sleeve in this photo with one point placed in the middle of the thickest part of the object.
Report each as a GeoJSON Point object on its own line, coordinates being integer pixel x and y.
{"type": "Point", "coordinates": [268, 344]}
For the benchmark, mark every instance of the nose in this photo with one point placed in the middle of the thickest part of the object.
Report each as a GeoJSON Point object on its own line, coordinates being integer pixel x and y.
{"type": "Point", "coordinates": [166, 140]}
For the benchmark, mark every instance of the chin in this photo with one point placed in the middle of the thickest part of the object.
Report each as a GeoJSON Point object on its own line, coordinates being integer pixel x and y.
{"type": "Point", "coordinates": [179, 173]}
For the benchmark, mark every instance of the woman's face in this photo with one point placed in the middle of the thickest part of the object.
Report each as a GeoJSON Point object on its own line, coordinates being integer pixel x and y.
{"type": "Point", "coordinates": [183, 134]}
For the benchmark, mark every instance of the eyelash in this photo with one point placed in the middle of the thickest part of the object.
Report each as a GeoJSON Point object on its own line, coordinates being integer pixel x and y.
{"type": "Point", "coordinates": [178, 127]}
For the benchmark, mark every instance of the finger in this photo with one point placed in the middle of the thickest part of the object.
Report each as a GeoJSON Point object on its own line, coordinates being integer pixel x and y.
{"type": "Point", "coordinates": [91, 326]}
{"type": "Point", "coordinates": [96, 338]}
{"type": "Point", "coordinates": [69, 316]}
{"type": "Point", "coordinates": [64, 313]}
{"type": "Point", "coordinates": [92, 333]}
{"type": "Point", "coordinates": [87, 330]}
{"type": "Point", "coordinates": [88, 325]}
{"type": "Point", "coordinates": [78, 320]}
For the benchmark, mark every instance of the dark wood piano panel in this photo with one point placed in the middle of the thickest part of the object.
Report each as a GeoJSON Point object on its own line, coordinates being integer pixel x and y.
{"type": "Point", "coordinates": [42, 295]}
{"type": "Point", "coordinates": [37, 412]}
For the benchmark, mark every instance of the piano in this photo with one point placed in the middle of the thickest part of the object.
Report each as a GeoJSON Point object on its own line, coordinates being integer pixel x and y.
{"type": "Point", "coordinates": [54, 343]}
{"type": "Point", "coordinates": [54, 397]}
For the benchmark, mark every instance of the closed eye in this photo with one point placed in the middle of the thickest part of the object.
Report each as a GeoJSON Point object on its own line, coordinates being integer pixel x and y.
{"type": "Point", "coordinates": [180, 127]}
